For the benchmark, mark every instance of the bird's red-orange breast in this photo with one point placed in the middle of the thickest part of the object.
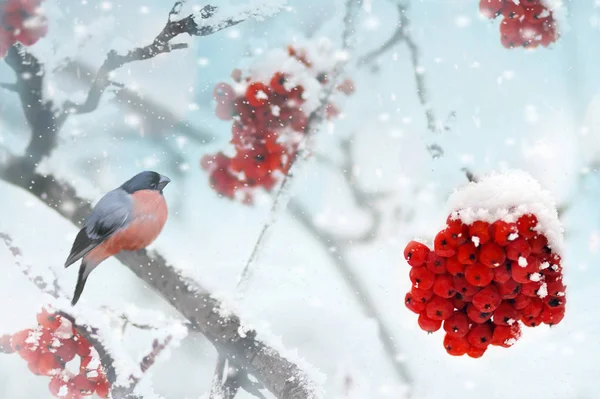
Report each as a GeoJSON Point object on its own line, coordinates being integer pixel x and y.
{"type": "Point", "coordinates": [149, 217]}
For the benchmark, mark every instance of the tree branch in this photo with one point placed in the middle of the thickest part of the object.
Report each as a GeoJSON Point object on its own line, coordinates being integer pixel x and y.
{"type": "Point", "coordinates": [206, 314]}
{"type": "Point", "coordinates": [353, 281]}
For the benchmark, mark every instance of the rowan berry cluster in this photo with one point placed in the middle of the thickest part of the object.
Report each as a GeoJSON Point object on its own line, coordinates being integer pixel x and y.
{"type": "Point", "coordinates": [49, 347]}
{"type": "Point", "coordinates": [270, 111]}
{"type": "Point", "coordinates": [525, 23]}
{"type": "Point", "coordinates": [21, 21]}
{"type": "Point", "coordinates": [481, 279]}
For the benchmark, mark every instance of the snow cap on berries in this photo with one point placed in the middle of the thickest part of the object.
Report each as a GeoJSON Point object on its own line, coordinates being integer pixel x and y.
{"type": "Point", "coordinates": [507, 196]}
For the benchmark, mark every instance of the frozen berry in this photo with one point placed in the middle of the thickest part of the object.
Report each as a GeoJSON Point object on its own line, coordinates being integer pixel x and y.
{"type": "Point", "coordinates": [67, 350]}
{"type": "Point", "coordinates": [21, 339]}
{"type": "Point", "coordinates": [503, 232]}
{"type": "Point", "coordinates": [415, 253]}
{"type": "Point", "coordinates": [491, 8]}
{"type": "Point", "coordinates": [456, 346]}
{"type": "Point", "coordinates": [439, 308]}
{"type": "Point", "coordinates": [488, 299]}
{"type": "Point", "coordinates": [552, 316]}
{"type": "Point", "coordinates": [521, 301]}
{"type": "Point", "coordinates": [491, 255]}
{"type": "Point", "coordinates": [49, 364]}
{"type": "Point", "coordinates": [480, 335]}
{"type": "Point", "coordinates": [526, 271]}
{"type": "Point", "coordinates": [555, 302]}
{"type": "Point", "coordinates": [103, 388]}
{"type": "Point", "coordinates": [49, 320]}
{"type": "Point", "coordinates": [556, 287]}
{"type": "Point", "coordinates": [538, 244]}
{"type": "Point", "coordinates": [479, 275]}
{"type": "Point", "coordinates": [443, 286]}
{"type": "Point", "coordinates": [532, 289]}
{"type": "Point", "coordinates": [506, 336]}
{"type": "Point", "coordinates": [82, 384]}
{"type": "Point", "coordinates": [477, 315]}
{"type": "Point", "coordinates": [58, 384]}
{"type": "Point", "coordinates": [526, 226]}
{"type": "Point", "coordinates": [454, 267]}
{"type": "Point", "coordinates": [457, 325]}
{"type": "Point", "coordinates": [422, 278]}
{"type": "Point", "coordinates": [518, 248]}
{"type": "Point", "coordinates": [413, 304]}
{"type": "Point", "coordinates": [278, 82]}
{"type": "Point", "coordinates": [479, 232]}
{"type": "Point", "coordinates": [509, 290]}
{"type": "Point", "coordinates": [428, 324]}
{"type": "Point", "coordinates": [436, 263]}
{"type": "Point", "coordinates": [257, 94]}
{"type": "Point", "coordinates": [512, 10]}
{"type": "Point", "coordinates": [443, 245]}
{"type": "Point", "coordinates": [456, 232]}
{"type": "Point", "coordinates": [505, 315]}
{"type": "Point", "coordinates": [467, 254]}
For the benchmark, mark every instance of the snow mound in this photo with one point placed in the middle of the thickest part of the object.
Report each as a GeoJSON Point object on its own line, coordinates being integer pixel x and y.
{"type": "Point", "coordinates": [506, 196]}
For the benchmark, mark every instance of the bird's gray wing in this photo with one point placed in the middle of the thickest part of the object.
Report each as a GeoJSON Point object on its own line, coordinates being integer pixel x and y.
{"type": "Point", "coordinates": [112, 212]}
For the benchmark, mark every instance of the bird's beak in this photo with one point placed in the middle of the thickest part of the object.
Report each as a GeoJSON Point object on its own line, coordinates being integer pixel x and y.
{"type": "Point", "coordinates": [164, 180]}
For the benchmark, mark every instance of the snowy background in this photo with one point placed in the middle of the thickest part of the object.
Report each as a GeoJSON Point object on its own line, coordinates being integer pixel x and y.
{"type": "Point", "coordinates": [535, 110]}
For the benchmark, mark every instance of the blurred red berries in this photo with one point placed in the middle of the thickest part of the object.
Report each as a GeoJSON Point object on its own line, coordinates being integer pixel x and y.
{"type": "Point", "coordinates": [527, 24]}
{"type": "Point", "coordinates": [269, 117]}
{"type": "Point", "coordinates": [21, 21]}
{"type": "Point", "coordinates": [481, 281]}
{"type": "Point", "coordinates": [48, 349]}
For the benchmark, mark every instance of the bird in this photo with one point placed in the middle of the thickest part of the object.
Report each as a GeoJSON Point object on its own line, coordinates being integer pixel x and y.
{"type": "Point", "coordinates": [128, 218]}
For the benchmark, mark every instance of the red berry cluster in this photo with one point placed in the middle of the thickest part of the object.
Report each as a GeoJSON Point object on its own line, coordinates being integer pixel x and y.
{"type": "Point", "coordinates": [49, 347]}
{"type": "Point", "coordinates": [526, 24]}
{"type": "Point", "coordinates": [21, 21]}
{"type": "Point", "coordinates": [269, 121]}
{"type": "Point", "coordinates": [481, 279]}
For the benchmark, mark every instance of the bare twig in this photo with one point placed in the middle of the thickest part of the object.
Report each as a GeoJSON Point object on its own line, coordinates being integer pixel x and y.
{"type": "Point", "coordinates": [10, 87]}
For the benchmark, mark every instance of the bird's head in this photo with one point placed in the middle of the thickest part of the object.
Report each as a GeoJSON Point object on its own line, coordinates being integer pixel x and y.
{"type": "Point", "coordinates": [147, 180]}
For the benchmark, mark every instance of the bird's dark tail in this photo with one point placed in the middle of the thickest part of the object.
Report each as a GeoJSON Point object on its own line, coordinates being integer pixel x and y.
{"type": "Point", "coordinates": [81, 279]}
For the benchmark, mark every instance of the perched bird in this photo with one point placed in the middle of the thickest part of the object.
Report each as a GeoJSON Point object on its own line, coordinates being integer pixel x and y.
{"type": "Point", "coordinates": [128, 218]}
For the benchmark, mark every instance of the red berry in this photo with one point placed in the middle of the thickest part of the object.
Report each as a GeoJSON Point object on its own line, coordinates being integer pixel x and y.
{"type": "Point", "coordinates": [443, 286]}
{"type": "Point", "coordinates": [503, 232]}
{"type": "Point", "coordinates": [512, 10]}
{"type": "Point", "coordinates": [83, 346]}
{"type": "Point", "coordinates": [454, 267]}
{"type": "Point", "coordinates": [456, 232]}
{"type": "Point", "coordinates": [481, 231]}
{"type": "Point", "coordinates": [436, 263]}
{"type": "Point", "coordinates": [532, 310]}
{"type": "Point", "coordinates": [5, 344]}
{"type": "Point", "coordinates": [18, 340]}
{"type": "Point", "coordinates": [477, 315]}
{"type": "Point", "coordinates": [67, 350]}
{"type": "Point", "coordinates": [491, 255]}
{"type": "Point", "coordinates": [49, 364]}
{"type": "Point", "coordinates": [422, 278]}
{"type": "Point", "coordinates": [463, 287]}
{"type": "Point", "coordinates": [539, 244]}
{"type": "Point", "coordinates": [278, 82]}
{"type": "Point", "coordinates": [480, 335]}
{"type": "Point", "coordinates": [488, 299]}
{"type": "Point", "coordinates": [535, 14]}
{"type": "Point", "coordinates": [505, 315]}
{"type": "Point", "coordinates": [479, 275]}
{"type": "Point", "coordinates": [491, 8]}
{"type": "Point", "coordinates": [32, 365]}
{"type": "Point", "coordinates": [257, 94]}
{"type": "Point", "coordinates": [82, 385]}
{"type": "Point", "coordinates": [531, 289]}
{"type": "Point", "coordinates": [467, 254]}
{"type": "Point", "coordinates": [49, 320]}
{"type": "Point", "coordinates": [555, 302]}
{"type": "Point", "coordinates": [57, 383]}
{"type": "Point", "coordinates": [529, 272]}
{"type": "Point", "coordinates": [103, 389]}
{"type": "Point", "coordinates": [413, 304]}
{"type": "Point", "coordinates": [428, 324]}
{"type": "Point", "coordinates": [553, 268]}
{"type": "Point", "coordinates": [457, 325]}
{"type": "Point", "coordinates": [518, 248]}
{"type": "Point", "coordinates": [503, 273]}
{"type": "Point", "coordinates": [506, 336]}
{"type": "Point", "coordinates": [439, 308]}
{"type": "Point", "coordinates": [455, 346]}
{"type": "Point", "coordinates": [459, 302]}
{"type": "Point", "coordinates": [442, 244]}
{"type": "Point", "coordinates": [476, 353]}
{"type": "Point", "coordinates": [416, 253]}
{"type": "Point", "coordinates": [556, 287]}
{"type": "Point", "coordinates": [420, 295]}
{"type": "Point", "coordinates": [510, 33]}
{"type": "Point", "coordinates": [552, 316]}
{"type": "Point", "coordinates": [521, 301]}
{"type": "Point", "coordinates": [526, 225]}
{"type": "Point", "coordinates": [223, 93]}
{"type": "Point", "coordinates": [509, 289]}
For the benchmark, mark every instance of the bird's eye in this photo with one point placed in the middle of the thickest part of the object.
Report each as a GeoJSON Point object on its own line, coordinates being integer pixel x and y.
{"type": "Point", "coordinates": [153, 185]}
